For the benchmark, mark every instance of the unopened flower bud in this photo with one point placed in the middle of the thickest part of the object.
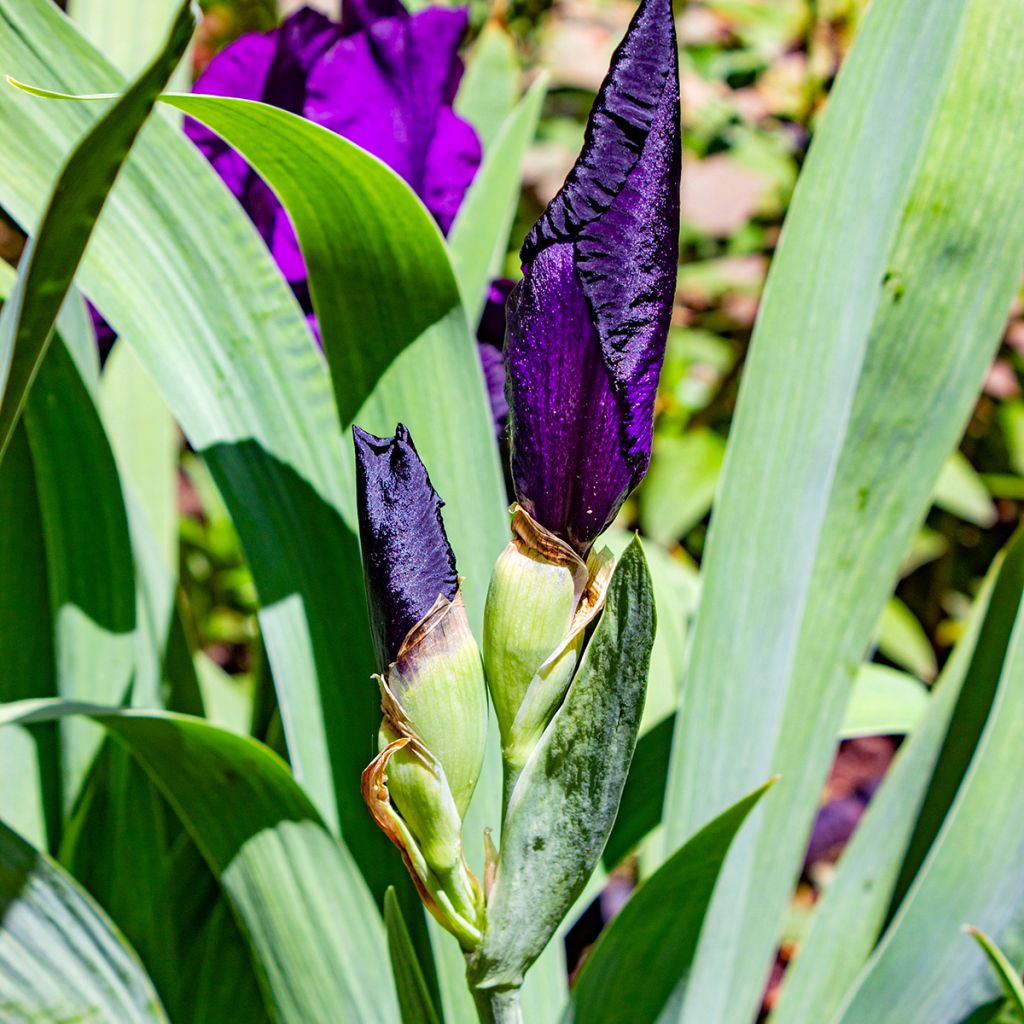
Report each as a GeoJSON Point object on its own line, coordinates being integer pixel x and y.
{"type": "Point", "coordinates": [433, 695]}
{"type": "Point", "coordinates": [541, 598]}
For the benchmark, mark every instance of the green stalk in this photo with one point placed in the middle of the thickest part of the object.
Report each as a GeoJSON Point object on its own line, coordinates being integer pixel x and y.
{"type": "Point", "coordinates": [498, 1005]}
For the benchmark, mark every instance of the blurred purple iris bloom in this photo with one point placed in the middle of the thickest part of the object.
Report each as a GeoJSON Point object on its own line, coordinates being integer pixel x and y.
{"type": "Point", "coordinates": [383, 78]}
{"type": "Point", "coordinates": [588, 322]}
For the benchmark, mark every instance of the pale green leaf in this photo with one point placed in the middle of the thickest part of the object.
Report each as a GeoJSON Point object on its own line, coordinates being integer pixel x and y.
{"type": "Point", "coordinates": [479, 238]}
{"type": "Point", "coordinates": [680, 484]}
{"type": "Point", "coordinates": [61, 961]}
{"type": "Point", "coordinates": [970, 875]}
{"type": "Point", "coordinates": [490, 85]}
{"type": "Point", "coordinates": [55, 250]}
{"type": "Point", "coordinates": [847, 921]}
{"type": "Point", "coordinates": [884, 702]}
{"type": "Point", "coordinates": [902, 639]}
{"type": "Point", "coordinates": [884, 306]}
{"type": "Point", "coordinates": [960, 490]}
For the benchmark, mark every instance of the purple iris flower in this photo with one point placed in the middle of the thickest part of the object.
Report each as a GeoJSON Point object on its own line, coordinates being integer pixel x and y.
{"type": "Point", "coordinates": [383, 78]}
{"type": "Point", "coordinates": [588, 322]}
{"type": "Point", "coordinates": [407, 560]}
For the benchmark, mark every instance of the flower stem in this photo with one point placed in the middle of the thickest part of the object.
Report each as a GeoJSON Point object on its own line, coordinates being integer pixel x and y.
{"type": "Point", "coordinates": [498, 1005]}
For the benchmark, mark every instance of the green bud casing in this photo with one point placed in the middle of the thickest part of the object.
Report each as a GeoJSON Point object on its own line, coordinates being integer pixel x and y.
{"type": "Point", "coordinates": [431, 750]}
{"type": "Point", "coordinates": [437, 680]}
{"type": "Point", "coordinates": [542, 596]}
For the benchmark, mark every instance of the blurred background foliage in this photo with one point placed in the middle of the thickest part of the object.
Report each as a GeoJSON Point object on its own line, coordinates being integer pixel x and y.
{"type": "Point", "coordinates": [756, 76]}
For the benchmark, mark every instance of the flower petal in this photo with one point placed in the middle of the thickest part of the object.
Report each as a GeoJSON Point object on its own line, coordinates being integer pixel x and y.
{"type": "Point", "coordinates": [490, 336]}
{"type": "Point", "coordinates": [389, 88]}
{"type": "Point", "coordinates": [642, 80]}
{"type": "Point", "coordinates": [273, 68]}
{"type": "Point", "coordinates": [408, 562]}
{"type": "Point", "coordinates": [618, 212]}
{"type": "Point", "coordinates": [568, 463]}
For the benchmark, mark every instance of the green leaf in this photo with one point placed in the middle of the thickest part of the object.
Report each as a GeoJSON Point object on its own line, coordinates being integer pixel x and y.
{"type": "Point", "coordinates": [307, 913]}
{"type": "Point", "coordinates": [1011, 421]}
{"type": "Point", "coordinates": [563, 805]}
{"type": "Point", "coordinates": [962, 492]}
{"type": "Point", "coordinates": [490, 85]}
{"type": "Point", "coordinates": [883, 703]}
{"type": "Point", "coordinates": [242, 376]}
{"type": "Point", "coordinates": [828, 473]}
{"type": "Point", "coordinates": [850, 916]}
{"type": "Point", "coordinates": [85, 608]}
{"type": "Point", "coordinates": [648, 948]}
{"type": "Point", "coordinates": [89, 557]}
{"type": "Point", "coordinates": [55, 250]}
{"type": "Point", "coordinates": [227, 701]}
{"type": "Point", "coordinates": [902, 639]}
{"type": "Point", "coordinates": [971, 873]}
{"type": "Point", "coordinates": [413, 994]}
{"type": "Point", "coordinates": [1009, 976]}
{"type": "Point", "coordinates": [478, 239]}
{"type": "Point", "coordinates": [680, 485]}
{"type": "Point", "coordinates": [676, 592]}
{"type": "Point", "coordinates": [126, 33]}
{"type": "Point", "coordinates": [26, 651]}
{"type": "Point", "coordinates": [60, 958]}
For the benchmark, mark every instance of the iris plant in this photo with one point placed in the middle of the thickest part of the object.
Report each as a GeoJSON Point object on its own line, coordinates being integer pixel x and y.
{"type": "Point", "coordinates": [382, 78]}
{"type": "Point", "coordinates": [585, 342]}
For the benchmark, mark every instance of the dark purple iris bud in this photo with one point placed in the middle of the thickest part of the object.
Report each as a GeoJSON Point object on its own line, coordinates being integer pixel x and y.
{"type": "Point", "coordinates": [382, 78]}
{"type": "Point", "coordinates": [407, 560]}
{"type": "Point", "coordinates": [588, 322]}
{"type": "Point", "coordinates": [433, 695]}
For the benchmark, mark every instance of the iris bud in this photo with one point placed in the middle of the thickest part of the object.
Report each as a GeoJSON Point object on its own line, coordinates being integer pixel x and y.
{"type": "Point", "coordinates": [588, 321]}
{"type": "Point", "coordinates": [542, 596]}
{"type": "Point", "coordinates": [433, 696]}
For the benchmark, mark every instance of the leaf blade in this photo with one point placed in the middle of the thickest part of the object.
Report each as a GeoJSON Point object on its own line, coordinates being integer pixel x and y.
{"type": "Point", "coordinates": [54, 252]}
{"type": "Point", "coordinates": [852, 913]}
{"type": "Point", "coordinates": [60, 957]}
{"type": "Point", "coordinates": [563, 805]}
{"type": "Point", "coordinates": [934, 263]}
{"type": "Point", "coordinates": [643, 954]}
